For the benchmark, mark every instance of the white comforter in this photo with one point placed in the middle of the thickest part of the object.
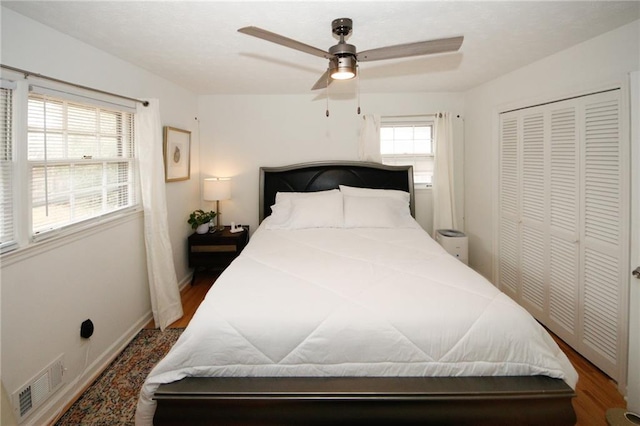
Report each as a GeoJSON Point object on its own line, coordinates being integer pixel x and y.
{"type": "Point", "coordinates": [354, 302]}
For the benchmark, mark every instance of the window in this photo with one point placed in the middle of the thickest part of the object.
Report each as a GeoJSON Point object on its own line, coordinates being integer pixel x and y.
{"type": "Point", "coordinates": [80, 160]}
{"type": "Point", "coordinates": [7, 238]}
{"type": "Point", "coordinates": [409, 142]}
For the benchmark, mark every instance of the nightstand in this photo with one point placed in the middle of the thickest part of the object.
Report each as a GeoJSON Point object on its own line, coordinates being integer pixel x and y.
{"type": "Point", "coordinates": [216, 251]}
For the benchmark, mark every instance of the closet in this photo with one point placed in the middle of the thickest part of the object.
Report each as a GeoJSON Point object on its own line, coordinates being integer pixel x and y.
{"type": "Point", "coordinates": [563, 230]}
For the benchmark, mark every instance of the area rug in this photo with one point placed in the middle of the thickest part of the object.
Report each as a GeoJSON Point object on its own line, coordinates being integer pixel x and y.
{"type": "Point", "coordinates": [112, 398]}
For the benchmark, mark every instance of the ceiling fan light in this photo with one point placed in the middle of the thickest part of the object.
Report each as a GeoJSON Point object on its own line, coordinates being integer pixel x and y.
{"type": "Point", "coordinates": [343, 74]}
{"type": "Point", "coordinates": [344, 68]}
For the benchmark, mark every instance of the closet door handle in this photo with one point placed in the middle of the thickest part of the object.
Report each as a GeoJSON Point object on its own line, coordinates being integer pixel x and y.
{"type": "Point", "coordinates": [636, 272]}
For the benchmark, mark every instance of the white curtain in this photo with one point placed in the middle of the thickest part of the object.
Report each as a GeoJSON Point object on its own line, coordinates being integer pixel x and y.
{"type": "Point", "coordinates": [369, 140]}
{"type": "Point", "coordinates": [163, 284]}
{"type": "Point", "coordinates": [444, 208]}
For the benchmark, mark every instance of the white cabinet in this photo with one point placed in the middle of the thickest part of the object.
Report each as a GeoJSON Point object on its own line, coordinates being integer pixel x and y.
{"type": "Point", "coordinates": [563, 221]}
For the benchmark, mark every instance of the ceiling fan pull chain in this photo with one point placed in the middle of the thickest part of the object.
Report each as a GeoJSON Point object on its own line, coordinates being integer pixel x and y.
{"type": "Point", "coordinates": [358, 87]}
{"type": "Point", "coordinates": [327, 95]}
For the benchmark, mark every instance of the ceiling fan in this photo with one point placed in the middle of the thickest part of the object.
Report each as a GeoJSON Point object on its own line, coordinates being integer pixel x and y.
{"type": "Point", "coordinates": [343, 58]}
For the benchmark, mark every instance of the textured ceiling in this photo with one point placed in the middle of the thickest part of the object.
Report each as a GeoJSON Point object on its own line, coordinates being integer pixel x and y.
{"type": "Point", "coordinates": [196, 44]}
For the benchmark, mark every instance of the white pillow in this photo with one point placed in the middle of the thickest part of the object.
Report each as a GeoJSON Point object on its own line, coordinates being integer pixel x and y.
{"type": "Point", "coordinates": [370, 192]}
{"type": "Point", "coordinates": [321, 209]}
{"type": "Point", "coordinates": [280, 213]}
{"type": "Point", "coordinates": [377, 212]}
{"type": "Point", "coordinates": [283, 196]}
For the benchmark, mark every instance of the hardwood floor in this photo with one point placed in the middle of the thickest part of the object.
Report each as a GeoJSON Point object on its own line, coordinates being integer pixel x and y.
{"type": "Point", "coordinates": [596, 392]}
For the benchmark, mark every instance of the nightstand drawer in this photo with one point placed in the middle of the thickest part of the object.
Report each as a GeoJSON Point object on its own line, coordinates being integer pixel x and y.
{"type": "Point", "coordinates": [214, 249]}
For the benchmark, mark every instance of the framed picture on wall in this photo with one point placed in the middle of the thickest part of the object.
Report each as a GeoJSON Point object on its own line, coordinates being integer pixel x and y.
{"type": "Point", "coordinates": [177, 154]}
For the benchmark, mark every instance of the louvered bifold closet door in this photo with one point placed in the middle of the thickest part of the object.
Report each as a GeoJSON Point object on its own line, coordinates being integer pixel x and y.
{"type": "Point", "coordinates": [563, 235]}
{"type": "Point", "coordinates": [533, 212]}
{"type": "Point", "coordinates": [605, 234]}
{"type": "Point", "coordinates": [509, 234]}
{"type": "Point", "coordinates": [564, 192]}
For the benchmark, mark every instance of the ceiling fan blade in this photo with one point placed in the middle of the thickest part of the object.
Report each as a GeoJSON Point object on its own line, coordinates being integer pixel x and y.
{"type": "Point", "coordinates": [323, 81]}
{"type": "Point", "coordinates": [412, 49]}
{"type": "Point", "coordinates": [284, 41]}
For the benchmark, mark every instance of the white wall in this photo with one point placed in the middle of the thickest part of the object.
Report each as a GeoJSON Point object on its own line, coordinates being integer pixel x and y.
{"type": "Point", "coordinates": [101, 274]}
{"type": "Point", "coordinates": [588, 66]}
{"type": "Point", "coordinates": [241, 133]}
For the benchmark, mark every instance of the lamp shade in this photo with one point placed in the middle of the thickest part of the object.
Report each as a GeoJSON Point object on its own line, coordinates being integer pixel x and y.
{"type": "Point", "coordinates": [216, 189]}
{"type": "Point", "coordinates": [343, 68]}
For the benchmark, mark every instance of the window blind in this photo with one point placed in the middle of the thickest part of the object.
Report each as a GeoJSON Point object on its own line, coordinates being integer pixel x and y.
{"type": "Point", "coordinates": [7, 235]}
{"type": "Point", "coordinates": [84, 96]}
{"type": "Point", "coordinates": [81, 161]}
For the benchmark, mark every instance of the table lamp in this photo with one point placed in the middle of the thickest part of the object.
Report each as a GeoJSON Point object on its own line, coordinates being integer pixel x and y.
{"type": "Point", "coordinates": [216, 189]}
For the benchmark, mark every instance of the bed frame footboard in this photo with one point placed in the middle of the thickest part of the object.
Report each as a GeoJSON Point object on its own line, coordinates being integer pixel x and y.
{"type": "Point", "coordinates": [535, 400]}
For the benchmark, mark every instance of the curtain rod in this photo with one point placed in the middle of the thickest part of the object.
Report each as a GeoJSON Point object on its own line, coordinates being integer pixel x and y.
{"type": "Point", "coordinates": [416, 115]}
{"type": "Point", "coordinates": [29, 74]}
{"type": "Point", "coordinates": [410, 115]}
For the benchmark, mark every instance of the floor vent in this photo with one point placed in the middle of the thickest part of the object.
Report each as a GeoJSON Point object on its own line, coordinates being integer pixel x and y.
{"type": "Point", "coordinates": [37, 390]}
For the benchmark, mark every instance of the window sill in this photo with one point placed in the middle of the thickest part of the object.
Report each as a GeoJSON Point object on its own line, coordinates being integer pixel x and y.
{"type": "Point", "coordinates": [37, 248]}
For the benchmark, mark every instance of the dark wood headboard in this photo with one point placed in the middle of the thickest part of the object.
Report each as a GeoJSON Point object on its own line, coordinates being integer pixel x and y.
{"type": "Point", "coordinates": [320, 176]}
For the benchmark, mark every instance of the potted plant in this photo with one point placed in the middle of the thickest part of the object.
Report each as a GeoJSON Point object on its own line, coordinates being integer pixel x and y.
{"type": "Point", "coordinates": [199, 220]}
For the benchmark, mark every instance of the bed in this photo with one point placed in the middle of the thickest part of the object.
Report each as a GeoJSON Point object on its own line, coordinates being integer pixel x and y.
{"type": "Point", "coordinates": [342, 310]}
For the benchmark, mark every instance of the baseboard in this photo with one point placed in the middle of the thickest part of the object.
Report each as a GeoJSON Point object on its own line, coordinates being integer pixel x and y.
{"type": "Point", "coordinates": [185, 281]}
{"type": "Point", "coordinates": [52, 410]}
